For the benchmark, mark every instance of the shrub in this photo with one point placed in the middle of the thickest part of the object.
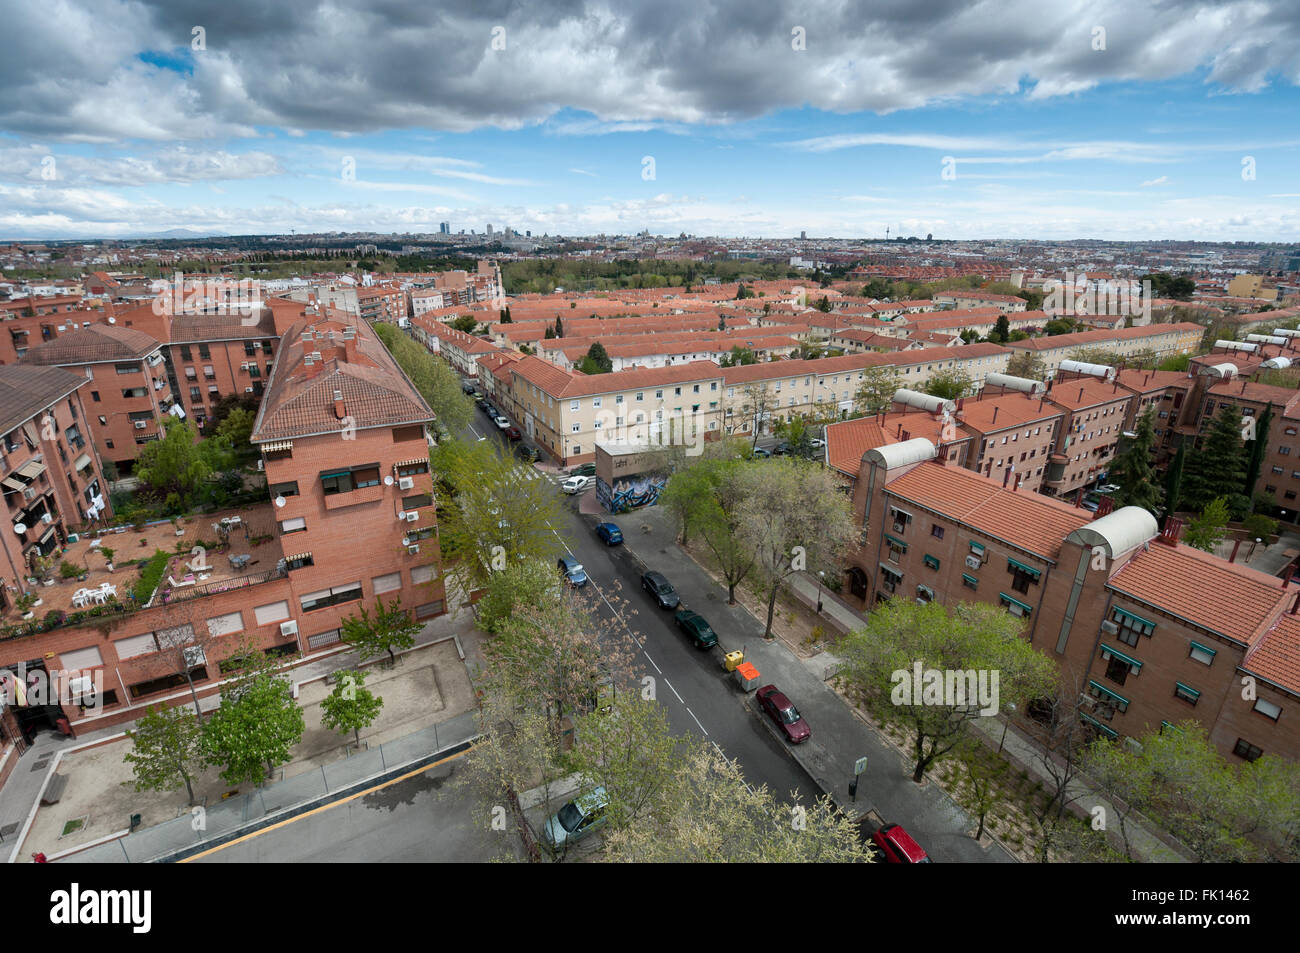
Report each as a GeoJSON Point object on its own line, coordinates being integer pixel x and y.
{"type": "Point", "coordinates": [55, 618]}
{"type": "Point", "coordinates": [150, 575]}
{"type": "Point", "coordinates": [69, 570]}
{"type": "Point", "coordinates": [1259, 526]}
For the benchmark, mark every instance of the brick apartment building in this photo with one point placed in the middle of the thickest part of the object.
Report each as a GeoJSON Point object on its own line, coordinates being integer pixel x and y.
{"type": "Point", "coordinates": [1151, 631]}
{"type": "Point", "coordinates": [50, 474]}
{"type": "Point", "coordinates": [1094, 417]}
{"type": "Point", "coordinates": [23, 332]}
{"type": "Point", "coordinates": [129, 393]}
{"type": "Point", "coordinates": [210, 356]}
{"type": "Point", "coordinates": [350, 518]}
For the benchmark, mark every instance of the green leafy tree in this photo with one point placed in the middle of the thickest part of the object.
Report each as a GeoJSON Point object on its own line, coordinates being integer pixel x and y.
{"type": "Point", "coordinates": [350, 706]}
{"type": "Point", "coordinates": [597, 360]}
{"type": "Point", "coordinates": [794, 518]}
{"type": "Point", "coordinates": [255, 728]}
{"type": "Point", "coordinates": [550, 332]}
{"type": "Point", "coordinates": [1206, 531]}
{"type": "Point", "coordinates": [236, 429]}
{"type": "Point", "coordinates": [1256, 449]}
{"type": "Point", "coordinates": [1174, 480]}
{"type": "Point", "coordinates": [876, 392]}
{"type": "Point", "coordinates": [167, 750]}
{"type": "Point", "coordinates": [824, 304]}
{"type": "Point", "coordinates": [901, 634]}
{"type": "Point", "coordinates": [737, 356]}
{"type": "Point", "coordinates": [465, 323]}
{"type": "Point", "coordinates": [176, 464]}
{"type": "Point", "coordinates": [390, 628]}
{"type": "Point", "coordinates": [1133, 471]}
{"type": "Point", "coordinates": [1060, 326]}
{"type": "Point", "coordinates": [523, 582]}
{"type": "Point", "coordinates": [1218, 467]}
{"type": "Point", "coordinates": [559, 325]}
{"type": "Point", "coordinates": [1001, 330]}
{"type": "Point", "coordinates": [436, 382]}
{"type": "Point", "coordinates": [1028, 365]}
{"type": "Point", "coordinates": [950, 384]}
{"type": "Point", "coordinates": [980, 784]}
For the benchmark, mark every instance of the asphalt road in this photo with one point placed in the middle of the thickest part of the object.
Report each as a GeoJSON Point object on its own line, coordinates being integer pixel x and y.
{"type": "Point", "coordinates": [690, 683]}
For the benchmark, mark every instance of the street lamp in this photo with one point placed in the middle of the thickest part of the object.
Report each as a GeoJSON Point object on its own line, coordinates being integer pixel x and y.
{"type": "Point", "coordinates": [1011, 709]}
{"type": "Point", "coordinates": [1258, 540]}
{"type": "Point", "coordinates": [821, 580]}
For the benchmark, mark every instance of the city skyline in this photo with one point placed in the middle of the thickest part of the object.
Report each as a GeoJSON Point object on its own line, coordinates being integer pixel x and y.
{"type": "Point", "coordinates": [1116, 123]}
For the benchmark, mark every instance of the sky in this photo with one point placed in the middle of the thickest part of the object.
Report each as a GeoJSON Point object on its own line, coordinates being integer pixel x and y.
{"type": "Point", "coordinates": [1010, 119]}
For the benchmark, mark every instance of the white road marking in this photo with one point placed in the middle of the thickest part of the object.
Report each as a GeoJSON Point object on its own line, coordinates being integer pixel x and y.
{"type": "Point", "coordinates": [679, 697]}
{"type": "Point", "coordinates": [692, 714]}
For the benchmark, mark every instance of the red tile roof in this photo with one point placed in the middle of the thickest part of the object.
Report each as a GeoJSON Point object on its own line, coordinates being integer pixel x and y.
{"type": "Point", "coordinates": [1012, 410]}
{"type": "Point", "coordinates": [1228, 598]}
{"type": "Point", "coordinates": [95, 344]}
{"type": "Point", "coordinates": [1276, 655]}
{"type": "Point", "coordinates": [1029, 521]}
{"type": "Point", "coordinates": [1085, 392]}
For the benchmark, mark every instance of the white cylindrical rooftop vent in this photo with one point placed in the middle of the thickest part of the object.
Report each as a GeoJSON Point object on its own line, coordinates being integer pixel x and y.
{"type": "Point", "coordinates": [1237, 346]}
{"type": "Point", "coordinates": [1274, 363]}
{"type": "Point", "coordinates": [1265, 339]}
{"type": "Point", "coordinates": [1092, 370]}
{"type": "Point", "coordinates": [1284, 333]}
{"type": "Point", "coordinates": [925, 402]}
{"type": "Point", "coordinates": [1221, 370]}
{"type": "Point", "coordinates": [1013, 383]}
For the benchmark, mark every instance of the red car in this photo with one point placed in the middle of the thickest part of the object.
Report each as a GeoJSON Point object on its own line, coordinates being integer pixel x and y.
{"type": "Point", "coordinates": [513, 433]}
{"type": "Point", "coordinates": [786, 716]}
{"type": "Point", "coordinates": [898, 847]}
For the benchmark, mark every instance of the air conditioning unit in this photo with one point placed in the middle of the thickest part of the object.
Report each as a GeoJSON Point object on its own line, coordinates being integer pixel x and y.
{"type": "Point", "coordinates": [261, 465]}
{"type": "Point", "coordinates": [414, 549]}
{"type": "Point", "coordinates": [141, 424]}
{"type": "Point", "coordinates": [80, 687]}
{"type": "Point", "coordinates": [1087, 701]}
{"type": "Point", "coordinates": [47, 518]}
{"type": "Point", "coordinates": [973, 562]}
{"type": "Point", "coordinates": [29, 493]}
{"type": "Point", "coordinates": [405, 483]}
{"type": "Point", "coordinates": [248, 390]}
{"type": "Point", "coordinates": [289, 628]}
{"type": "Point", "coordinates": [412, 516]}
{"type": "Point", "coordinates": [401, 515]}
{"type": "Point", "coordinates": [1110, 628]}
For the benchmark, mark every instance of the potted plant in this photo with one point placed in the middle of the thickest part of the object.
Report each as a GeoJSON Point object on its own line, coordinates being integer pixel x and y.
{"type": "Point", "coordinates": [69, 570]}
{"type": "Point", "coordinates": [25, 602]}
{"type": "Point", "coordinates": [107, 553]}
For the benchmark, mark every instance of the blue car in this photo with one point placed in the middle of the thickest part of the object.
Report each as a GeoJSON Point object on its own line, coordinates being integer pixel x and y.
{"type": "Point", "coordinates": [609, 534]}
{"type": "Point", "coordinates": [572, 571]}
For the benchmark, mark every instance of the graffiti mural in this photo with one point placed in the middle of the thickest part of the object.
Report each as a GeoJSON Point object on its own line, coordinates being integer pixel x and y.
{"type": "Point", "coordinates": [629, 493]}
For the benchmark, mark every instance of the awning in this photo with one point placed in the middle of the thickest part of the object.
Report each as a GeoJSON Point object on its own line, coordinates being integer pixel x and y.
{"type": "Point", "coordinates": [298, 556]}
{"type": "Point", "coordinates": [1023, 568]}
{"type": "Point", "coordinates": [415, 461]}
{"type": "Point", "coordinates": [1007, 598]}
{"type": "Point", "coordinates": [891, 570]}
{"type": "Point", "coordinates": [1107, 652]}
{"type": "Point", "coordinates": [1133, 616]}
{"type": "Point", "coordinates": [277, 445]}
{"type": "Point", "coordinates": [12, 483]}
{"type": "Point", "coordinates": [31, 469]}
{"type": "Point", "coordinates": [81, 462]}
{"type": "Point", "coordinates": [1102, 689]}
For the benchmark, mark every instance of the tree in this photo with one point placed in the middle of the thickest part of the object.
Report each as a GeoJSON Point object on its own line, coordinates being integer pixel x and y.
{"type": "Point", "coordinates": [793, 517]}
{"type": "Point", "coordinates": [597, 360]}
{"type": "Point", "coordinates": [1060, 326]}
{"type": "Point", "coordinates": [737, 356]}
{"type": "Point", "coordinates": [717, 817]}
{"type": "Point", "coordinates": [391, 627]}
{"type": "Point", "coordinates": [707, 497]}
{"type": "Point", "coordinates": [256, 727]}
{"type": "Point", "coordinates": [550, 332]}
{"type": "Point", "coordinates": [876, 392]}
{"type": "Point", "coordinates": [182, 648]}
{"type": "Point", "coordinates": [1206, 531]}
{"type": "Point", "coordinates": [756, 408]}
{"type": "Point", "coordinates": [237, 428]}
{"type": "Point", "coordinates": [1001, 330]}
{"type": "Point", "coordinates": [465, 323]}
{"type": "Point", "coordinates": [1257, 448]}
{"type": "Point", "coordinates": [823, 304]}
{"type": "Point", "coordinates": [741, 292]}
{"type": "Point", "coordinates": [1218, 468]}
{"type": "Point", "coordinates": [1133, 471]}
{"type": "Point", "coordinates": [436, 382]}
{"type": "Point", "coordinates": [1174, 481]}
{"type": "Point", "coordinates": [980, 788]}
{"type": "Point", "coordinates": [907, 646]}
{"type": "Point", "coordinates": [523, 582]}
{"type": "Point", "coordinates": [350, 706]}
{"type": "Point", "coordinates": [505, 316]}
{"type": "Point", "coordinates": [559, 326]}
{"type": "Point", "coordinates": [176, 464]}
{"type": "Point", "coordinates": [1028, 365]}
{"type": "Point", "coordinates": [167, 750]}
{"type": "Point", "coordinates": [496, 513]}
{"type": "Point", "coordinates": [950, 384]}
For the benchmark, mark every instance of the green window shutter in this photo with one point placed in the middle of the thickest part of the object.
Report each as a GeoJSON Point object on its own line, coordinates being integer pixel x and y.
{"type": "Point", "coordinates": [1133, 616]}
{"type": "Point", "coordinates": [1107, 650]}
{"type": "Point", "coordinates": [1028, 608]}
{"type": "Point", "coordinates": [931, 561]}
{"type": "Point", "coordinates": [1205, 648]}
{"type": "Point", "coordinates": [1011, 563]}
{"type": "Point", "coordinates": [1108, 732]}
{"type": "Point", "coordinates": [1108, 693]}
{"type": "Point", "coordinates": [971, 580]}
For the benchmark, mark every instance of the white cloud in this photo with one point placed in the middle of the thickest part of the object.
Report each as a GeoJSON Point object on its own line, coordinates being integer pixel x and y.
{"type": "Point", "coordinates": [1161, 180]}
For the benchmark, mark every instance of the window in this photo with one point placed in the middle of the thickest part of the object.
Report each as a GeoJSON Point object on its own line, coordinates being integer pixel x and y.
{"type": "Point", "coordinates": [896, 547]}
{"type": "Point", "coordinates": [901, 518]}
{"type": "Point", "coordinates": [1285, 451]}
{"type": "Point", "coordinates": [294, 525]}
{"type": "Point", "coordinates": [970, 582]}
{"type": "Point", "coordinates": [366, 476]}
{"type": "Point", "coordinates": [1244, 749]}
{"type": "Point", "coordinates": [226, 624]}
{"type": "Point", "coordinates": [659, 395]}
{"type": "Point", "coordinates": [1183, 692]}
{"type": "Point", "coordinates": [1120, 666]}
{"type": "Point", "coordinates": [1112, 702]}
{"type": "Point", "coordinates": [127, 368]}
{"type": "Point", "coordinates": [1015, 606]}
{"type": "Point", "coordinates": [1131, 626]}
{"type": "Point", "coordinates": [337, 482]}
{"type": "Point", "coordinates": [300, 561]}
{"type": "Point", "coordinates": [284, 489]}
{"type": "Point", "coordinates": [94, 396]}
{"type": "Point", "coordinates": [410, 503]}
{"type": "Point", "coordinates": [1268, 709]}
{"type": "Point", "coordinates": [386, 583]}
{"type": "Point", "coordinates": [271, 612]}
{"type": "Point", "coordinates": [411, 469]}
{"type": "Point", "coordinates": [209, 372]}
{"type": "Point", "coordinates": [331, 597]}
{"type": "Point", "coordinates": [931, 561]}
{"type": "Point", "coordinates": [1022, 575]}
{"type": "Point", "coordinates": [936, 531]}
{"type": "Point", "coordinates": [618, 399]}
{"type": "Point", "coordinates": [185, 353]}
{"type": "Point", "coordinates": [577, 428]}
{"type": "Point", "coordinates": [595, 402]}
{"type": "Point", "coordinates": [322, 639]}
{"type": "Point", "coordinates": [1202, 654]}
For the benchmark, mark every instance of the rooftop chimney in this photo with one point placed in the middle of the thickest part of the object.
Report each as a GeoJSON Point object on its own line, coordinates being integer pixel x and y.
{"type": "Point", "coordinates": [1080, 393]}
{"type": "Point", "coordinates": [339, 412]}
{"type": "Point", "coordinates": [1173, 528]}
{"type": "Point", "coordinates": [995, 415]}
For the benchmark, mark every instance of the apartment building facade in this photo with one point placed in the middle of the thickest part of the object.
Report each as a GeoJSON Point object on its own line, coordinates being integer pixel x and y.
{"type": "Point", "coordinates": [1165, 340]}
{"type": "Point", "coordinates": [211, 356]}
{"type": "Point", "coordinates": [129, 394]}
{"type": "Point", "coordinates": [1094, 412]}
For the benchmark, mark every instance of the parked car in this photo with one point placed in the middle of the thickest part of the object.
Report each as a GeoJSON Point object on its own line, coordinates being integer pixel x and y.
{"type": "Point", "coordinates": [576, 484]}
{"type": "Point", "coordinates": [782, 711]}
{"type": "Point", "coordinates": [528, 454]}
{"type": "Point", "coordinates": [898, 847]}
{"type": "Point", "coordinates": [514, 433]}
{"type": "Point", "coordinates": [577, 819]}
{"type": "Point", "coordinates": [781, 450]}
{"type": "Point", "coordinates": [584, 469]}
{"type": "Point", "coordinates": [816, 443]}
{"type": "Point", "coordinates": [661, 589]}
{"type": "Point", "coordinates": [1107, 488]}
{"type": "Point", "coordinates": [482, 403]}
{"type": "Point", "coordinates": [502, 423]}
{"type": "Point", "coordinates": [609, 534]}
{"type": "Point", "coordinates": [695, 626]}
{"type": "Point", "coordinates": [761, 452]}
{"type": "Point", "coordinates": [467, 386]}
{"type": "Point", "coordinates": [573, 572]}
{"type": "Point", "coordinates": [489, 409]}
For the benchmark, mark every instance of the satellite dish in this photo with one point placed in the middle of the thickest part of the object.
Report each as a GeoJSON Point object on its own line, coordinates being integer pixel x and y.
{"type": "Point", "coordinates": [112, 320]}
{"type": "Point", "coordinates": [279, 501]}
{"type": "Point", "coordinates": [388, 481]}
{"type": "Point", "coordinates": [20, 528]}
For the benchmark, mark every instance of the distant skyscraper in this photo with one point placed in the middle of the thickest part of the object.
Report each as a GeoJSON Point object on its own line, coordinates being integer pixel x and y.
{"type": "Point", "coordinates": [803, 236]}
{"type": "Point", "coordinates": [489, 229]}
{"type": "Point", "coordinates": [444, 228]}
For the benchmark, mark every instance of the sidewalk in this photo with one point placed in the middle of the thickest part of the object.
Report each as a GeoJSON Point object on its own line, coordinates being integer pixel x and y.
{"type": "Point", "coordinates": [20, 796]}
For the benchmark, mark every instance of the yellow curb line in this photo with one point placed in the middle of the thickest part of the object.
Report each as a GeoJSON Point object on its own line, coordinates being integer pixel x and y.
{"type": "Point", "coordinates": [324, 807]}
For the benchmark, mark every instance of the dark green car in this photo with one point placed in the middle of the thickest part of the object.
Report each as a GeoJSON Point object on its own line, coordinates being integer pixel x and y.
{"type": "Point", "coordinates": [694, 625]}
